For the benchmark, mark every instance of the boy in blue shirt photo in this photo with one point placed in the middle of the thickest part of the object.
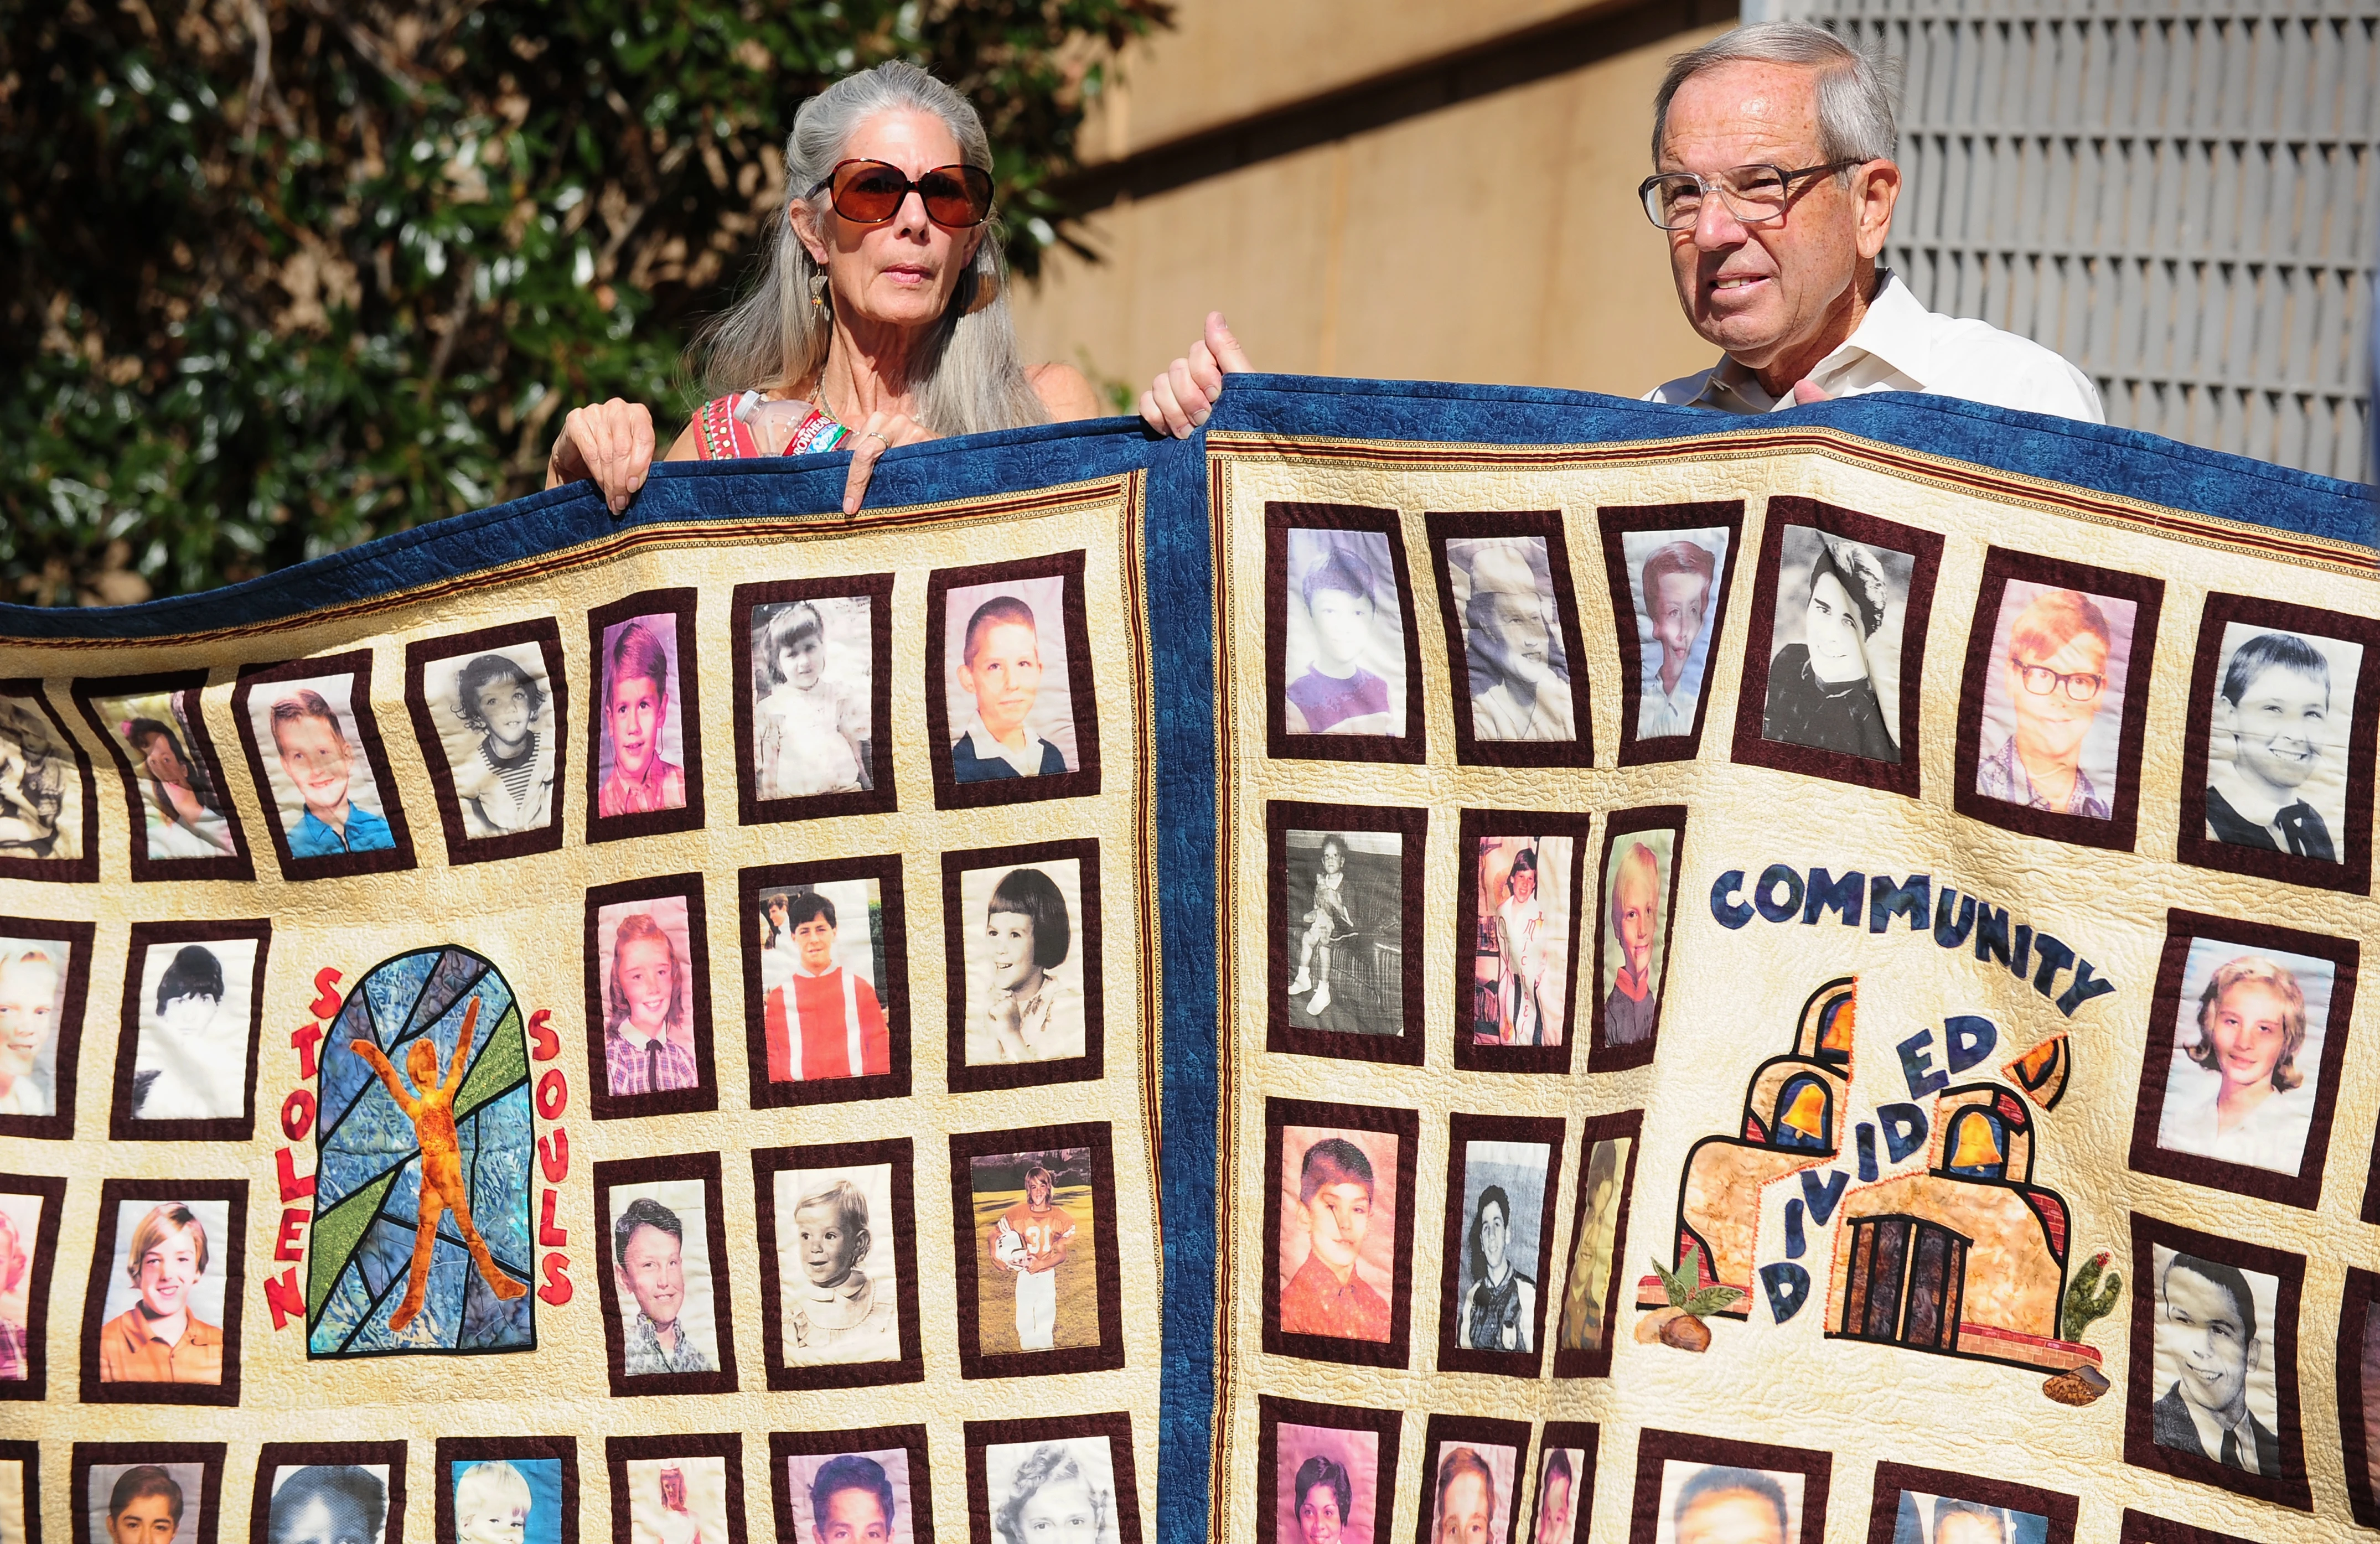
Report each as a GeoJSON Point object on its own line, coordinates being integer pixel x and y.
{"type": "Point", "coordinates": [318, 760]}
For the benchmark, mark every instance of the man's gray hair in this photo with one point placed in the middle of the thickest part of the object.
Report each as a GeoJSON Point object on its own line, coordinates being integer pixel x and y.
{"type": "Point", "coordinates": [969, 376]}
{"type": "Point", "coordinates": [1857, 90]}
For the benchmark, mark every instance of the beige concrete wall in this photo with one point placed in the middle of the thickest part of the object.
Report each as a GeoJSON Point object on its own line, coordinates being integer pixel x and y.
{"type": "Point", "coordinates": [1497, 241]}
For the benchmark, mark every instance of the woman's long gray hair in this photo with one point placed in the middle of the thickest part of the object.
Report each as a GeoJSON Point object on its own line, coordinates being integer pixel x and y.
{"type": "Point", "coordinates": [969, 376]}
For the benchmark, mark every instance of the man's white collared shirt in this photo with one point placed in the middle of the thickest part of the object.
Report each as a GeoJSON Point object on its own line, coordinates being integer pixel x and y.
{"type": "Point", "coordinates": [1902, 346]}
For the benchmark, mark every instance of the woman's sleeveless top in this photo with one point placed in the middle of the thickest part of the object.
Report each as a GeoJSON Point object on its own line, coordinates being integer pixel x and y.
{"type": "Point", "coordinates": [726, 428]}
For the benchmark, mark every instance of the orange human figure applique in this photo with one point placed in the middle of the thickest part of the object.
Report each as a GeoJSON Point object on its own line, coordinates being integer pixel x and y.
{"type": "Point", "coordinates": [441, 1161]}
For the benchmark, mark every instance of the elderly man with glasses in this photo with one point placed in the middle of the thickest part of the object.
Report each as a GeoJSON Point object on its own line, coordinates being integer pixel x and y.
{"type": "Point", "coordinates": [1775, 185]}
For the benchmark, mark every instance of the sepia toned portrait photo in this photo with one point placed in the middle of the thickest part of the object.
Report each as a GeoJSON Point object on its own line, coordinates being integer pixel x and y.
{"type": "Point", "coordinates": [664, 1275]}
{"type": "Point", "coordinates": [1525, 905]}
{"type": "Point", "coordinates": [1582, 1333]}
{"type": "Point", "coordinates": [2054, 700]}
{"type": "Point", "coordinates": [1511, 626]}
{"type": "Point", "coordinates": [1501, 1190]}
{"type": "Point", "coordinates": [1343, 1205]}
{"type": "Point", "coordinates": [490, 719]}
{"type": "Point", "coordinates": [325, 783]}
{"type": "Point", "coordinates": [683, 1497]}
{"type": "Point", "coordinates": [1834, 669]}
{"type": "Point", "coordinates": [2277, 752]}
{"type": "Point", "coordinates": [1673, 581]}
{"type": "Point", "coordinates": [182, 815]}
{"type": "Point", "coordinates": [160, 1501]}
{"type": "Point", "coordinates": [650, 992]}
{"type": "Point", "coordinates": [1011, 678]}
{"type": "Point", "coordinates": [2243, 1081]}
{"type": "Point", "coordinates": [1344, 652]}
{"type": "Point", "coordinates": [861, 1496]}
{"type": "Point", "coordinates": [824, 987]}
{"type": "Point", "coordinates": [47, 801]}
{"type": "Point", "coordinates": [1639, 879]}
{"type": "Point", "coordinates": [37, 1006]}
{"type": "Point", "coordinates": [640, 739]}
{"type": "Point", "coordinates": [191, 1017]}
{"type": "Point", "coordinates": [836, 1268]}
{"type": "Point", "coordinates": [1025, 986]}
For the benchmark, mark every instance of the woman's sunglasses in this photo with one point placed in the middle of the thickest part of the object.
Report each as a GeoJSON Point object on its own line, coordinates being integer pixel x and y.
{"type": "Point", "coordinates": [871, 193]}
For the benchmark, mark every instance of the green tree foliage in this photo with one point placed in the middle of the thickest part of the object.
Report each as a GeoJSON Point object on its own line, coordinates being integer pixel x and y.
{"type": "Point", "coordinates": [282, 275]}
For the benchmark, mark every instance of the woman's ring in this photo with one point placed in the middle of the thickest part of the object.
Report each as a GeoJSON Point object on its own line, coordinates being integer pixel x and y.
{"type": "Point", "coordinates": [872, 434]}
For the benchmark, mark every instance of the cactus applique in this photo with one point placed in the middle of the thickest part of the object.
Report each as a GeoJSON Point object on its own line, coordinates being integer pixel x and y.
{"type": "Point", "coordinates": [2090, 1297]}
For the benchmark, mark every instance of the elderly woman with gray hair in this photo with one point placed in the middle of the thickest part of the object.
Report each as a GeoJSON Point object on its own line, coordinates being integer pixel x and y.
{"type": "Point", "coordinates": [881, 318]}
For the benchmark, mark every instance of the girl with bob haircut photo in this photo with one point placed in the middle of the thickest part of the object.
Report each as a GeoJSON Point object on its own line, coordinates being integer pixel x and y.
{"type": "Point", "coordinates": [1054, 1496]}
{"type": "Point", "coordinates": [2255, 1108]}
{"type": "Point", "coordinates": [506, 785]}
{"type": "Point", "coordinates": [802, 743]}
{"type": "Point", "coordinates": [635, 715]}
{"type": "Point", "coordinates": [1822, 691]}
{"type": "Point", "coordinates": [1031, 1011]}
{"type": "Point", "coordinates": [647, 1012]}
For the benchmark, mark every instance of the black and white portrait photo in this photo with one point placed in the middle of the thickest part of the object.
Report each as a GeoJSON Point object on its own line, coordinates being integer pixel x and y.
{"type": "Point", "coordinates": [326, 1504]}
{"type": "Point", "coordinates": [2218, 1397]}
{"type": "Point", "coordinates": [1514, 654]}
{"type": "Point", "coordinates": [494, 713]}
{"type": "Point", "coordinates": [1499, 1174]}
{"type": "Point", "coordinates": [1834, 673]}
{"type": "Point", "coordinates": [1062, 1490]}
{"type": "Point", "coordinates": [1025, 944]}
{"type": "Point", "coordinates": [194, 1005]}
{"type": "Point", "coordinates": [1345, 930]}
{"type": "Point", "coordinates": [840, 1290]}
{"type": "Point", "coordinates": [2276, 755]}
{"type": "Point", "coordinates": [813, 664]}
{"type": "Point", "coordinates": [43, 784]}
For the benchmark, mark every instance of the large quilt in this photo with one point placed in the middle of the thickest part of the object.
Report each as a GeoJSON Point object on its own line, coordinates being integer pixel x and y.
{"type": "Point", "coordinates": [1455, 963]}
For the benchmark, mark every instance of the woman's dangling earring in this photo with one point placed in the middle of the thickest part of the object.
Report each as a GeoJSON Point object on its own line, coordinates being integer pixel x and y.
{"type": "Point", "coordinates": [818, 290]}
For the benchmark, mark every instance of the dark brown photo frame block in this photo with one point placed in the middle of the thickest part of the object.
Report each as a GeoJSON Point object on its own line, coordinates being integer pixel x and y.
{"type": "Point", "coordinates": [2141, 1529]}
{"type": "Point", "coordinates": [107, 1258]}
{"type": "Point", "coordinates": [1475, 826]}
{"type": "Point", "coordinates": [1626, 1125]}
{"type": "Point", "coordinates": [965, 1147]}
{"type": "Point", "coordinates": [1752, 747]}
{"type": "Point", "coordinates": [122, 1126]}
{"type": "Point", "coordinates": [1115, 1425]}
{"type": "Point", "coordinates": [2288, 1488]}
{"type": "Point", "coordinates": [90, 1455]}
{"type": "Point", "coordinates": [78, 938]}
{"type": "Point", "coordinates": [1083, 700]}
{"type": "Point", "coordinates": [895, 1153]}
{"type": "Point", "coordinates": [459, 1452]}
{"type": "Point", "coordinates": [1444, 1432]}
{"type": "Point", "coordinates": [1884, 1512]}
{"type": "Point", "coordinates": [704, 1096]}
{"type": "Point", "coordinates": [2353, 873]}
{"type": "Point", "coordinates": [1405, 1127]}
{"type": "Point", "coordinates": [910, 1440]}
{"type": "Point", "coordinates": [275, 1457]}
{"type": "Point", "coordinates": [238, 864]}
{"type": "Point", "coordinates": [1601, 1055]}
{"type": "Point", "coordinates": [1657, 1448]}
{"type": "Point", "coordinates": [1273, 1412]}
{"type": "Point", "coordinates": [84, 796]}
{"type": "Point", "coordinates": [1405, 1047]}
{"type": "Point", "coordinates": [2356, 1321]}
{"type": "Point", "coordinates": [1461, 1131]}
{"type": "Point", "coordinates": [751, 810]}
{"type": "Point", "coordinates": [356, 666]}
{"type": "Point", "coordinates": [1585, 1437]}
{"type": "Point", "coordinates": [1408, 748]}
{"type": "Point", "coordinates": [2303, 1189]}
{"type": "Point", "coordinates": [1618, 522]}
{"type": "Point", "coordinates": [26, 1456]}
{"type": "Point", "coordinates": [698, 1167]}
{"type": "Point", "coordinates": [680, 605]}
{"type": "Point", "coordinates": [1088, 954]}
{"type": "Point", "coordinates": [41, 1261]}
{"type": "Point", "coordinates": [462, 847]}
{"type": "Point", "coordinates": [1545, 525]}
{"type": "Point", "coordinates": [892, 995]}
{"type": "Point", "coordinates": [727, 1446]}
{"type": "Point", "coordinates": [2117, 833]}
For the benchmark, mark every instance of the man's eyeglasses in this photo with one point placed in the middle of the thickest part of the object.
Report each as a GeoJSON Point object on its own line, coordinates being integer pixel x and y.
{"type": "Point", "coordinates": [2041, 681]}
{"type": "Point", "coordinates": [1755, 195]}
{"type": "Point", "coordinates": [870, 193]}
